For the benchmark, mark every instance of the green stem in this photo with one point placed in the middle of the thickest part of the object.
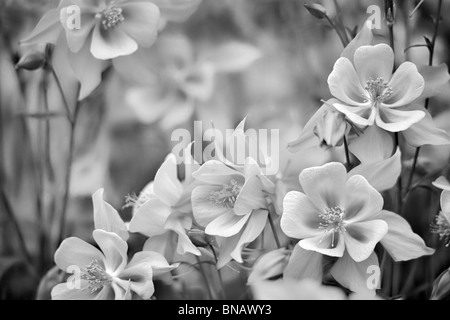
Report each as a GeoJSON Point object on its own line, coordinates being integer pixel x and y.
{"type": "Point", "coordinates": [205, 279]}
{"type": "Point", "coordinates": [341, 37]}
{"type": "Point", "coordinates": [272, 226]}
{"type": "Point", "coordinates": [219, 274]}
{"type": "Point", "coordinates": [347, 154]}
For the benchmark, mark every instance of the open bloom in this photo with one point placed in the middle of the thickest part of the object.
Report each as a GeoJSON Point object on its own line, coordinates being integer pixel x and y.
{"type": "Point", "coordinates": [106, 274]}
{"type": "Point", "coordinates": [231, 205]}
{"type": "Point", "coordinates": [342, 216]}
{"type": "Point", "coordinates": [163, 212]}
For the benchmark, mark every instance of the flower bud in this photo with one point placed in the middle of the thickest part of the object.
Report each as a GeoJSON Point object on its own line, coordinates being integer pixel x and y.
{"type": "Point", "coordinates": [330, 129]}
{"type": "Point", "coordinates": [317, 10]}
{"type": "Point", "coordinates": [199, 238]}
{"type": "Point", "coordinates": [269, 265]}
{"type": "Point", "coordinates": [32, 60]}
{"type": "Point", "coordinates": [441, 287]}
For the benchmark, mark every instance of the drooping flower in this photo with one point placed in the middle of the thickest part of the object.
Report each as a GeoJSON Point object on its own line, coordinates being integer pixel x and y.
{"type": "Point", "coordinates": [441, 225]}
{"type": "Point", "coordinates": [341, 215]}
{"type": "Point", "coordinates": [90, 33]}
{"type": "Point", "coordinates": [231, 205]}
{"type": "Point", "coordinates": [331, 129]}
{"type": "Point", "coordinates": [163, 212]}
{"type": "Point", "coordinates": [106, 273]}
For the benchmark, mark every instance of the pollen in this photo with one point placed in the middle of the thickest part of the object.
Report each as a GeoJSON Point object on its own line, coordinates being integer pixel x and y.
{"type": "Point", "coordinates": [333, 221]}
{"type": "Point", "coordinates": [227, 196]}
{"type": "Point", "coordinates": [96, 276]}
{"type": "Point", "coordinates": [441, 227]}
{"type": "Point", "coordinates": [378, 90]}
{"type": "Point", "coordinates": [111, 17]}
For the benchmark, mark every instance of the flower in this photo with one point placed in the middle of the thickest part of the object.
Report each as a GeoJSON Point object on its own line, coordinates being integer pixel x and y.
{"type": "Point", "coordinates": [106, 274]}
{"type": "Point", "coordinates": [163, 212]}
{"type": "Point", "coordinates": [107, 29]}
{"type": "Point", "coordinates": [341, 215]}
{"type": "Point", "coordinates": [231, 205]}
{"type": "Point", "coordinates": [269, 265]}
{"type": "Point", "coordinates": [331, 129]}
{"type": "Point", "coordinates": [441, 226]}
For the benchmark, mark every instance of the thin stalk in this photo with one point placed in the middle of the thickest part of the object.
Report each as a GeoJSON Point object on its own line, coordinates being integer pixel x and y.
{"type": "Point", "coordinates": [60, 88]}
{"type": "Point", "coordinates": [347, 154]}
{"type": "Point", "coordinates": [219, 274]}
{"type": "Point", "coordinates": [341, 37]}
{"type": "Point", "coordinates": [272, 225]}
{"type": "Point", "coordinates": [431, 48]}
{"type": "Point", "coordinates": [340, 24]}
{"type": "Point", "coordinates": [205, 279]}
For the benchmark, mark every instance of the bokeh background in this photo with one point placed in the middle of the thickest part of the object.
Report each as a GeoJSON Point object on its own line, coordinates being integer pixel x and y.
{"type": "Point", "coordinates": [124, 128]}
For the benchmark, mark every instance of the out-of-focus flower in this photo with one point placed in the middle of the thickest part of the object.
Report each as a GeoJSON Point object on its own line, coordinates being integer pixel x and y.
{"type": "Point", "coordinates": [441, 226]}
{"type": "Point", "coordinates": [231, 204]}
{"type": "Point", "coordinates": [106, 30]}
{"type": "Point", "coordinates": [331, 129]}
{"type": "Point", "coordinates": [269, 265]}
{"type": "Point", "coordinates": [163, 212]}
{"type": "Point", "coordinates": [106, 274]}
{"type": "Point", "coordinates": [342, 216]}
{"type": "Point", "coordinates": [442, 183]}
{"type": "Point", "coordinates": [186, 77]}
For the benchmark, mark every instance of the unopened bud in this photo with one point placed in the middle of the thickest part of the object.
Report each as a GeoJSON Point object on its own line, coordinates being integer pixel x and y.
{"type": "Point", "coordinates": [331, 129]}
{"type": "Point", "coordinates": [32, 60]}
{"type": "Point", "coordinates": [441, 287]}
{"type": "Point", "coordinates": [317, 10]}
{"type": "Point", "coordinates": [199, 238]}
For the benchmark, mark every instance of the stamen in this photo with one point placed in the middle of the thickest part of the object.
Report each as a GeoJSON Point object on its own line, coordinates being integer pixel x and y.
{"type": "Point", "coordinates": [441, 227]}
{"type": "Point", "coordinates": [96, 276]}
{"type": "Point", "coordinates": [227, 196]}
{"type": "Point", "coordinates": [333, 221]}
{"type": "Point", "coordinates": [378, 90]}
{"type": "Point", "coordinates": [111, 16]}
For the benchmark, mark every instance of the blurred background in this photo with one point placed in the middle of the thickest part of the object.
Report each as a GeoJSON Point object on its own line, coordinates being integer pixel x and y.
{"type": "Point", "coordinates": [265, 59]}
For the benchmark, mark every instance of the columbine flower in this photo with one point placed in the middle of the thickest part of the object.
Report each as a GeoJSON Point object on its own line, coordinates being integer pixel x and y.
{"type": "Point", "coordinates": [163, 212]}
{"type": "Point", "coordinates": [106, 274]}
{"type": "Point", "coordinates": [342, 216]}
{"type": "Point", "coordinates": [441, 226]}
{"type": "Point", "coordinates": [331, 129]}
{"type": "Point", "coordinates": [231, 204]}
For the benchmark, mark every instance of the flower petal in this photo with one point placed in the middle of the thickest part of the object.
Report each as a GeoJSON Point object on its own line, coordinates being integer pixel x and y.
{"type": "Point", "coordinates": [167, 187]}
{"type": "Point", "coordinates": [445, 201]}
{"type": "Point", "coordinates": [203, 208]}
{"type": "Point", "coordinates": [381, 175]}
{"type": "Point", "coordinates": [325, 185]}
{"type": "Point", "coordinates": [150, 218]}
{"type": "Point", "coordinates": [360, 115]}
{"type": "Point", "coordinates": [330, 243]}
{"type": "Point", "coordinates": [185, 244]}
{"type": "Point", "coordinates": [226, 247]}
{"type": "Point", "coordinates": [425, 132]}
{"type": "Point", "coordinates": [381, 145]}
{"type": "Point", "coordinates": [344, 83]}
{"type": "Point", "coordinates": [397, 120]}
{"type": "Point", "coordinates": [363, 38]}
{"type": "Point", "coordinates": [76, 252]}
{"type": "Point", "coordinates": [63, 292]}
{"type": "Point", "coordinates": [442, 183]}
{"type": "Point", "coordinates": [139, 275]}
{"type": "Point", "coordinates": [400, 241]}
{"type": "Point", "coordinates": [164, 244]}
{"type": "Point", "coordinates": [307, 138]}
{"type": "Point", "coordinates": [226, 225]}
{"type": "Point", "coordinates": [250, 197]}
{"type": "Point", "coordinates": [77, 37]}
{"type": "Point", "coordinates": [300, 217]}
{"type": "Point", "coordinates": [354, 275]}
{"type": "Point", "coordinates": [363, 202]}
{"type": "Point", "coordinates": [372, 62]}
{"type": "Point", "coordinates": [436, 79]}
{"type": "Point", "coordinates": [304, 264]}
{"type": "Point", "coordinates": [114, 249]}
{"type": "Point", "coordinates": [215, 172]}
{"type": "Point", "coordinates": [254, 228]}
{"type": "Point", "coordinates": [47, 30]}
{"type": "Point", "coordinates": [111, 43]}
{"type": "Point", "coordinates": [177, 10]}
{"type": "Point", "coordinates": [107, 218]}
{"type": "Point", "coordinates": [362, 237]}
{"type": "Point", "coordinates": [407, 85]}
{"type": "Point", "coordinates": [141, 22]}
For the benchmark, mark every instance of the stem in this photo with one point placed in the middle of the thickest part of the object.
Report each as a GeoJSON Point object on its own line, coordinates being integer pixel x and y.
{"type": "Point", "coordinates": [205, 279]}
{"type": "Point", "coordinates": [427, 101]}
{"type": "Point", "coordinates": [347, 154]}
{"type": "Point", "coordinates": [341, 37]}
{"type": "Point", "coordinates": [60, 88]}
{"type": "Point", "coordinates": [340, 24]}
{"type": "Point", "coordinates": [68, 177]}
{"type": "Point", "coordinates": [219, 274]}
{"type": "Point", "coordinates": [272, 225]}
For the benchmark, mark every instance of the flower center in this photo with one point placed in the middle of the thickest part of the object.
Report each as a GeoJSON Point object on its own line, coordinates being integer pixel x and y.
{"type": "Point", "coordinates": [227, 196]}
{"type": "Point", "coordinates": [111, 16]}
{"type": "Point", "coordinates": [378, 90]}
{"type": "Point", "coordinates": [333, 221]}
{"type": "Point", "coordinates": [441, 227]}
{"type": "Point", "coordinates": [96, 276]}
